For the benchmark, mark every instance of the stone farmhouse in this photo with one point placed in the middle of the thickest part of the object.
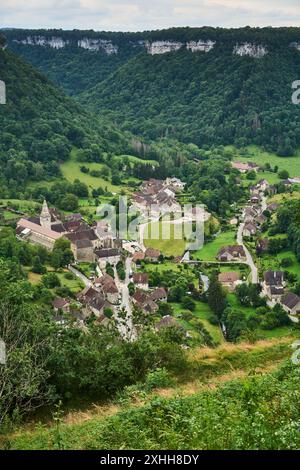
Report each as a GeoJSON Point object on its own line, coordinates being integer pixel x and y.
{"type": "Point", "coordinates": [273, 285]}
{"type": "Point", "coordinates": [107, 286]}
{"type": "Point", "coordinates": [158, 196]}
{"type": "Point", "coordinates": [244, 167]}
{"type": "Point", "coordinates": [291, 303]}
{"type": "Point", "coordinates": [229, 280]}
{"type": "Point", "coordinates": [231, 253]}
{"type": "Point", "coordinates": [141, 280]}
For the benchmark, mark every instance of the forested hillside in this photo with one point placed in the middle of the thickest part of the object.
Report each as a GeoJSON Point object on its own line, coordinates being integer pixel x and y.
{"type": "Point", "coordinates": [238, 91]}
{"type": "Point", "coordinates": [207, 99]}
{"type": "Point", "coordinates": [40, 125]}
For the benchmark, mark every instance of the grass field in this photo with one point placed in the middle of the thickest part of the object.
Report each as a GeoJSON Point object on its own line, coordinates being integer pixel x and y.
{"type": "Point", "coordinates": [257, 155]}
{"type": "Point", "coordinates": [163, 237]}
{"type": "Point", "coordinates": [165, 266]}
{"type": "Point", "coordinates": [281, 198]}
{"type": "Point", "coordinates": [202, 313]}
{"type": "Point", "coordinates": [75, 284]}
{"type": "Point", "coordinates": [7, 215]}
{"type": "Point", "coordinates": [233, 300]}
{"type": "Point", "coordinates": [133, 160]}
{"type": "Point", "coordinates": [211, 249]}
{"type": "Point", "coordinates": [71, 171]}
{"type": "Point", "coordinates": [22, 204]}
{"type": "Point", "coordinates": [274, 262]}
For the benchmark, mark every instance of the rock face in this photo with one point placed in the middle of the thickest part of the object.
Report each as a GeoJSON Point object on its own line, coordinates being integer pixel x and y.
{"type": "Point", "coordinates": [161, 47]}
{"type": "Point", "coordinates": [256, 51]}
{"type": "Point", "coordinates": [296, 45]}
{"type": "Point", "coordinates": [200, 46]}
{"type": "Point", "coordinates": [58, 43]}
{"type": "Point", "coordinates": [98, 44]}
{"type": "Point", "coordinates": [54, 42]}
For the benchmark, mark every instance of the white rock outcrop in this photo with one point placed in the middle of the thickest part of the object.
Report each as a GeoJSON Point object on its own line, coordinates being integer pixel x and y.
{"type": "Point", "coordinates": [296, 45]}
{"type": "Point", "coordinates": [257, 51]}
{"type": "Point", "coordinates": [98, 44]}
{"type": "Point", "coordinates": [54, 42]}
{"type": "Point", "coordinates": [58, 43]}
{"type": "Point", "coordinates": [161, 47]}
{"type": "Point", "coordinates": [200, 46]}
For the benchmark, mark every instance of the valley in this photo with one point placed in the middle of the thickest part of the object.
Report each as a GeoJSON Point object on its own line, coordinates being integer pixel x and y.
{"type": "Point", "coordinates": [118, 326]}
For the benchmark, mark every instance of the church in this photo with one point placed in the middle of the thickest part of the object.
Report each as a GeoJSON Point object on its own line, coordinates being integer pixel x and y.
{"type": "Point", "coordinates": [87, 243]}
{"type": "Point", "coordinates": [40, 230]}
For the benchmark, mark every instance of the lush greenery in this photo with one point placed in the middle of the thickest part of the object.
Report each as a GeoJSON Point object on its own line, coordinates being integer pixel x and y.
{"type": "Point", "coordinates": [39, 127]}
{"type": "Point", "coordinates": [258, 412]}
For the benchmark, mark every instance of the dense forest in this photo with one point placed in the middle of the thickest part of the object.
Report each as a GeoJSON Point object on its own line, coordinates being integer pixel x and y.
{"type": "Point", "coordinates": [214, 98]}
{"type": "Point", "coordinates": [204, 98]}
{"type": "Point", "coordinates": [40, 125]}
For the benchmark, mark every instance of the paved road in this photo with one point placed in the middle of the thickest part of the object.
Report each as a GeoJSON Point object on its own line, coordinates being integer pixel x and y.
{"type": "Point", "coordinates": [249, 259]}
{"type": "Point", "coordinates": [125, 325]}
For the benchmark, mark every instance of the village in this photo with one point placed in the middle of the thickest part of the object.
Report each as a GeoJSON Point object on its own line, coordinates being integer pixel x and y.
{"type": "Point", "coordinates": [119, 278]}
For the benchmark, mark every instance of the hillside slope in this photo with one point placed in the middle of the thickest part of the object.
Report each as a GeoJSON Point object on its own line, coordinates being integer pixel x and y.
{"type": "Point", "coordinates": [40, 125]}
{"type": "Point", "coordinates": [203, 85]}
{"type": "Point", "coordinates": [239, 400]}
{"type": "Point", "coordinates": [208, 99]}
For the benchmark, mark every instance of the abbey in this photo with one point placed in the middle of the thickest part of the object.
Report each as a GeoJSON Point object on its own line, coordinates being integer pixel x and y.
{"type": "Point", "coordinates": [87, 243]}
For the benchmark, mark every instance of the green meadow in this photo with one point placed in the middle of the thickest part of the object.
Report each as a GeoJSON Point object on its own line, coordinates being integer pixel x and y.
{"type": "Point", "coordinates": [210, 249]}
{"type": "Point", "coordinates": [261, 157]}
{"type": "Point", "coordinates": [164, 236]}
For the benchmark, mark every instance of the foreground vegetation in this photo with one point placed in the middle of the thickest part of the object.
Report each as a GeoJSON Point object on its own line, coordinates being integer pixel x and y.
{"type": "Point", "coordinates": [224, 409]}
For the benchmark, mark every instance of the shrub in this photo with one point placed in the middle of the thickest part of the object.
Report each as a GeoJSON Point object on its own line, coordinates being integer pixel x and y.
{"type": "Point", "coordinates": [158, 378]}
{"type": "Point", "coordinates": [69, 276]}
{"type": "Point", "coordinates": [213, 319]}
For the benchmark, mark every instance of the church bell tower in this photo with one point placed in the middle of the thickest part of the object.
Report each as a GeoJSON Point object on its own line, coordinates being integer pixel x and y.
{"type": "Point", "coordinates": [45, 217]}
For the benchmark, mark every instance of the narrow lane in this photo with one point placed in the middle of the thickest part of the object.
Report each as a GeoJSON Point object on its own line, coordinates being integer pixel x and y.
{"type": "Point", "coordinates": [249, 259]}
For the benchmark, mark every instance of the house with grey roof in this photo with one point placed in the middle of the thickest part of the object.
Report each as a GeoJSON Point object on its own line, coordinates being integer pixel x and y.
{"type": "Point", "coordinates": [291, 303]}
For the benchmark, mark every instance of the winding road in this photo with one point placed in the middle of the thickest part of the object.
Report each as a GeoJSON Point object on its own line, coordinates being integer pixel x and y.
{"type": "Point", "coordinates": [249, 259]}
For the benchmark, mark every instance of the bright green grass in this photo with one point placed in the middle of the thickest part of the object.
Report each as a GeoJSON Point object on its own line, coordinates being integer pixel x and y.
{"type": "Point", "coordinates": [7, 215]}
{"type": "Point", "coordinates": [235, 304]}
{"type": "Point", "coordinates": [279, 332]}
{"type": "Point", "coordinates": [282, 198]}
{"type": "Point", "coordinates": [75, 284]}
{"type": "Point", "coordinates": [257, 155]}
{"type": "Point", "coordinates": [273, 262]}
{"type": "Point", "coordinates": [71, 171]}
{"type": "Point", "coordinates": [272, 178]}
{"type": "Point", "coordinates": [162, 236]}
{"type": "Point", "coordinates": [210, 250]}
{"type": "Point", "coordinates": [134, 160]}
{"type": "Point", "coordinates": [202, 313]}
{"type": "Point", "coordinates": [22, 204]}
{"type": "Point", "coordinates": [165, 266]}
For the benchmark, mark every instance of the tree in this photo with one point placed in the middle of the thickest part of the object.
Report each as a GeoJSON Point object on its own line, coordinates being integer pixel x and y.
{"type": "Point", "coordinates": [37, 266]}
{"type": "Point", "coordinates": [236, 324]}
{"type": "Point", "coordinates": [24, 380]}
{"type": "Point", "coordinates": [62, 254]}
{"type": "Point", "coordinates": [69, 202]}
{"type": "Point", "coordinates": [188, 303]}
{"type": "Point", "coordinates": [283, 174]}
{"type": "Point", "coordinates": [216, 297]}
{"type": "Point", "coordinates": [51, 280]}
